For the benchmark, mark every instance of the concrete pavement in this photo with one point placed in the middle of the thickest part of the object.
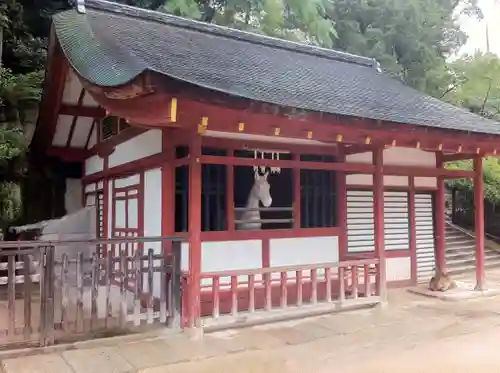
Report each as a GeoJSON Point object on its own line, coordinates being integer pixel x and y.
{"type": "Point", "coordinates": [413, 334]}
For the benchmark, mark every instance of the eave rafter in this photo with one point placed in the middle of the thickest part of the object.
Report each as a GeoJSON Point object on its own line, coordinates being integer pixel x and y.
{"type": "Point", "coordinates": [358, 135]}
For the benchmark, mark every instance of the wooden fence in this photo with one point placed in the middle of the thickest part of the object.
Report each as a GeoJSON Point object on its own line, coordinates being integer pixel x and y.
{"type": "Point", "coordinates": [230, 298]}
{"type": "Point", "coordinates": [47, 297]}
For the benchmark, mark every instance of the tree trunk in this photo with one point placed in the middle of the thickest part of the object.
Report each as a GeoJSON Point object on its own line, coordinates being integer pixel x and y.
{"type": "Point", "coordinates": [1, 44]}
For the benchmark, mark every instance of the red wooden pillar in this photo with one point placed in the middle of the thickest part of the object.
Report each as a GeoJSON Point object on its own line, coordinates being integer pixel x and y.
{"type": "Point", "coordinates": [168, 187]}
{"type": "Point", "coordinates": [479, 221]}
{"type": "Point", "coordinates": [413, 229]}
{"type": "Point", "coordinates": [194, 226]}
{"type": "Point", "coordinates": [439, 216]}
{"type": "Point", "coordinates": [341, 206]}
{"type": "Point", "coordinates": [378, 211]}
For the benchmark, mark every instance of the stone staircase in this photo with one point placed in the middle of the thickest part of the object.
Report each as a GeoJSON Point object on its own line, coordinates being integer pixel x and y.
{"type": "Point", "coordinates": [460, 251]}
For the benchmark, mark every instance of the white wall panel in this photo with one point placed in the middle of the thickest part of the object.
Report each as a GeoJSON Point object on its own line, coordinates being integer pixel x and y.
{"type": "Point", "coordinates": [93, 164]}
{"type": "Point", "coordinates": [142, 146]}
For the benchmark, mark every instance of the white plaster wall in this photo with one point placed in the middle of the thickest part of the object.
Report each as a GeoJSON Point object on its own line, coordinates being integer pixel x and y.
{"type": "Point", "coordinates": [398, 269]}
{"type": "Point", "coordinates": [303, 250]}
{"type": "Point", "coordinates": [127, 181]}
{"type": "Point", "coordinates": [426, 182]}
{"type": "Point", "coordinates": [396, 157]}
{"type": "Point", "coordinates": [226, 256]}
{"type": "Point", "coordinates": [153, 219]}
{"type": "Point", "coordinates": [73, 195]}
{"type": "Point", "coordinates": [93, 164]}
{"type": "Point", "coordinates": [90, 187]}
{"type": "Point", "coordinates": [142, 146]}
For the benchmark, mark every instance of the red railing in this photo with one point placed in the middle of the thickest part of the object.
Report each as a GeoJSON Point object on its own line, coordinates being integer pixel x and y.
{"type": "Point", "coordinates": [264, 294]}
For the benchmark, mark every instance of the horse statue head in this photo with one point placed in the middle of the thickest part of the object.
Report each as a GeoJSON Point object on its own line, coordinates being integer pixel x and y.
{"type": "Point", "coordinates": [261, 188]}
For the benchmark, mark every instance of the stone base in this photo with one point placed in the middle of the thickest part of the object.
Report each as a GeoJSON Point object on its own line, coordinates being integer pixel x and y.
{"type": "Point", "coordinates": [463, 291]}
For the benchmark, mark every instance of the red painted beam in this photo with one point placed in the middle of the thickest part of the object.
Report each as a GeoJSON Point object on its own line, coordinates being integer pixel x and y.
{"type": "Point", "coordinates": [419, 171]}
{"type": "Point", "coordinates": [479, 221]}
{"type": "Point", "coordinates": [68, 154]}
{"type": "Point", "coordinates": [82, 111]}
{"type": "Point", "coordinates": [57, 70]}
{"type": "Point", "coordinates": [327, 128]}
{"type": "Point", "coordinates": [346, 167]}
{"type": "Point", "coordinates": [457, 157]}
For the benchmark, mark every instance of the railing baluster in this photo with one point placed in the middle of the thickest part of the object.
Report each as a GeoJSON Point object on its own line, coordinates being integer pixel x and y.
{"type": "Point", "coordinates": [65, 293]}
{"type": "Point", "coordinates": [94, 290]}
{"type": "Point", "coordinates": [267, 286]}
{"type": "Point", "coordinates": [314, 285]}
{"type": "Point", "coordinates": [215, 297]}
{"type": "Point", "coordinates": [163, 288]}
{"type": "Point", "coordinates": [298, 283]}
{"type": "Point", "coordinates": [11, 288]}
{"type": "Point", "coordinates": [283, 289]}
{"type": "Point", "coordinates": [79, 301]}
{"type": "Point", "coordinates": [27, 330]}
{"type": "Point", "coordinates": [354, 275]}
{"type": "Point", "coordinates": [251, 293]}
{"type": "Point", "coordinates": [150, 286]}
{"type": "Point", "coordinates": [367, 278]}
{"type": "Point", "coordinates": [341, 285]}
{"type": "Point", "coordinates": [123, 292]}
{"type": "Point", "coordinates": [234, 295]}
{"type": "Point", "coordinates": [138, 288]}
{"type": "Point", "coordinates": [109, 269]}
{"type": "Point", "coordinates": [328, 279]}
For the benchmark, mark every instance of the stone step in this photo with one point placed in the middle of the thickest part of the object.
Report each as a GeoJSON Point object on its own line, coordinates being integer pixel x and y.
{"type": "Point", "coordinates": [471, 267]}
{"type": "Point", "coordinates": [468, 254]}
{"type": "Point", "coordinates": [457, 262]}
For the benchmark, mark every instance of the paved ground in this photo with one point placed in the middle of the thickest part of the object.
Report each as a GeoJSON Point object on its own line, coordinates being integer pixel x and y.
{"type": "Point", "coordinates": [413, 334]}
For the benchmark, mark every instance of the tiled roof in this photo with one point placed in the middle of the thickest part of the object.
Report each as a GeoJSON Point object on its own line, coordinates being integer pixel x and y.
{"type": "Point", "coordinates": [110, 44]}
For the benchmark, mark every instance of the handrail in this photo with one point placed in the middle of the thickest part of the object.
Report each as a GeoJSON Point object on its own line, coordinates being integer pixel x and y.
{"type": "Point", "coordinates": [258, 271]}
{"type": "Point", "coordinates": [460, 229]}
{"type": "Point", "coordinates": [93, 241]}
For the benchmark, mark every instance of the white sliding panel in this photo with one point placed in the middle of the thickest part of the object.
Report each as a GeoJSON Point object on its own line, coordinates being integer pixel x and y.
{"type": "Point", "coordinates": [396, 221]}
{"type": "Point", "coordinates": [425, 236]}
{"type": "Point", "coordinates": [360, 221]}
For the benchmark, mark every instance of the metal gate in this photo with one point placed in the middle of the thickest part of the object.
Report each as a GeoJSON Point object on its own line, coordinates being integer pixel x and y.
{"type": "Point", "coordinates": [425, 236]}
{"type": "Point", "coordinates": [49, 297]}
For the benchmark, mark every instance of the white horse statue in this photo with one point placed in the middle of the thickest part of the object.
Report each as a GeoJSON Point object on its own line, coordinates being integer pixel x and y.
{"type": "Point", "coordinates": [260, 192]}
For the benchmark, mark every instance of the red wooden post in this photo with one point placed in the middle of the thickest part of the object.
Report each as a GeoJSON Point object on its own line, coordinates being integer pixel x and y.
{"type": "Point", "coordinates": [341, 206]}
{"type": "Point", "coordinates": [168, 188]}
{"type": "Point", "coordinates": [479, 221]}
{"type": "Point", "coordinates": [194, 214]}
{"type": "Point", "coordinates": [439, 215]}
{"type": "Point", "coordinates": [413, 229]}
{"type": "Point", "coordinates": [378, 211]}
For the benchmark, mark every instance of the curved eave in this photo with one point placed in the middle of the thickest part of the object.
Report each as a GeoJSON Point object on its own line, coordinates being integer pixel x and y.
{"type": "Point", "coordinates": [85, 52]}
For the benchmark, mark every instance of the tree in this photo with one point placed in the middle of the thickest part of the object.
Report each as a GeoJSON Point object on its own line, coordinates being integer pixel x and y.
{"type": "Point", "coordinates": [298, 20]}
{"type": "Point", "coordinates": [476, 84]}
{"type": "Point", "coordinates": [411, 38]}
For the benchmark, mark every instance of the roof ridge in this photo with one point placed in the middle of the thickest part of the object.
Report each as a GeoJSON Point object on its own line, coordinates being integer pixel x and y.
{"type": "Point", "coordinates": [250, 37]}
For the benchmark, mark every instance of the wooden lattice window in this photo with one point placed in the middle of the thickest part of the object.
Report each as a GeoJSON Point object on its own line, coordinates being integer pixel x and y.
{"type": "Point", "coordinates": [317, 195]}
{"type": "Point", "coordinates": [111, 126]}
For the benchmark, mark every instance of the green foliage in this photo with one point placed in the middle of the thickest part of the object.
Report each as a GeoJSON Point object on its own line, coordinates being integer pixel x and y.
{"type": "Point", "coordinates": [411, 39]}
{"type": "Point", "coordinates": [476, 84]}
{"type": "Point", "coordinates": [298, 20]}
{"type": "Point", "coordinates": [491, 168]}
{"type": "Point", "coordinates": [10, 201]}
